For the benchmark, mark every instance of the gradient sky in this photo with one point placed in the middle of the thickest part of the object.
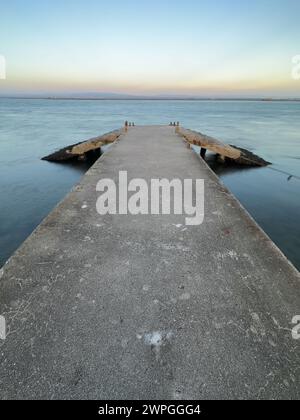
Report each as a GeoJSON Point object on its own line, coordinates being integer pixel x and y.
{"type": "Point", "coordinates": [193, 47]}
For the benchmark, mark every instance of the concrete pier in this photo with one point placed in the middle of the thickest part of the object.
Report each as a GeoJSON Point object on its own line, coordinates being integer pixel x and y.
{"type": "Point", "coordinates": [144, 307]}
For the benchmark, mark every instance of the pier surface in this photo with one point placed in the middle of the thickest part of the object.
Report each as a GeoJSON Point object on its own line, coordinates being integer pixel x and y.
{"type": "Point", "coordinates": [144, 307]}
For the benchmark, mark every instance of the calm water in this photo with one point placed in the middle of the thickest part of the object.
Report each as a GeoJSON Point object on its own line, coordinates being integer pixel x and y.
{"type": "Point", "coordinates": [30, 129]}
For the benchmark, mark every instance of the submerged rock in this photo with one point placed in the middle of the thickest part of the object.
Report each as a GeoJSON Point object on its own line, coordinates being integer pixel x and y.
{"type": "Point", "coordinates": [81, 151]}
{"type": "Point", "coordinates": [248, 158]}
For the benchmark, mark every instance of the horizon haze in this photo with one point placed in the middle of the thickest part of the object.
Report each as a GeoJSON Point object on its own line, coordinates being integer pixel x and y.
{"type": "Point", "coordinates": [202, 49]}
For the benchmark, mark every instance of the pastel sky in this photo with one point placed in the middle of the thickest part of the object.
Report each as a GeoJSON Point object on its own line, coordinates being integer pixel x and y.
{"type": "Point", "coordinates": [191, 47]}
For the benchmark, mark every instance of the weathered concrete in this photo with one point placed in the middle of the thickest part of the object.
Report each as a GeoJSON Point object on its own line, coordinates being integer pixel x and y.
{"type": "Point", "coordinates": [227, 152]}
{"type": "Point", "coordinates": [79, 150]}
{"type": "Point", "coordinates": [141, 307]}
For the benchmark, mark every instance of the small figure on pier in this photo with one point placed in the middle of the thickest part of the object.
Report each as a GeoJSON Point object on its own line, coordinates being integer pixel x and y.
{"type": "Point", "coordinates": [130, 124]}
{"type": "Point", "coordinates": [203, 152]}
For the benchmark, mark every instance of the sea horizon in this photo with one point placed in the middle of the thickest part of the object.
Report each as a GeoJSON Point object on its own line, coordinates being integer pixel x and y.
{"type": "Point", "coordinates": [154, 98]}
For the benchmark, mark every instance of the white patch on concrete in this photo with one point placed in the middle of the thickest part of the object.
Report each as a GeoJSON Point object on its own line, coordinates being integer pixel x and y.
{"type": "Point", "coordinates": [276, 322]}
{"type": "Point", "coordinates": [253, 330]}
{"type": "Point", "coordinates": [153, 339]}
{"type": "Point", "coordinates": [185, 296]}
{"type": "Point", "coordinates": [177, 394]}
{"type": "Point", "coordinates": [1, 273]}
{"type": "Point", "coordinates": [229, 254]}
{"type": "Point", "coordinates": [84, 206]}
{"type": "Point", "coordinates": [183, 248]}
{"type": "Point", "coordinates": [3, 332]}
{"type": "Point", "coordinates": [146, 288]}
{"type": "Point", "coordinates": [157, 338]}
{"type": "Point", "coordinates": [124, 343]}
{"type": "Point", "coordinates": [258, 326]}
{"type": "Point", "coordinates": [279, 326]}
{"type": "Point", "coordinates": [233, 255]}
{"type": "Point", "coordinates": [248, 258]}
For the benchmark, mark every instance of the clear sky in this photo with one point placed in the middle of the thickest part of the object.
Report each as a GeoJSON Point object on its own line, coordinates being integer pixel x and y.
{"type": "Point", "coordinates": [193, 47]}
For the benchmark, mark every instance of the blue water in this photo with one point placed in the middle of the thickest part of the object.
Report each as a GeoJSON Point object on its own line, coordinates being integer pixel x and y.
{"type": "Point", "coordinates": [30, 129]}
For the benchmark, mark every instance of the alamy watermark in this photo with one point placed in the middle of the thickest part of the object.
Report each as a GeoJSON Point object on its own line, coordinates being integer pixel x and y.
{"type": "Point", "coordinates": [296, 67]}
{"type": "Point", "coordinates": [157, 197]}
{"type": "Point", "coordinates": [2, 67]}
{"type": "Point", "coordinates": [2, 328]}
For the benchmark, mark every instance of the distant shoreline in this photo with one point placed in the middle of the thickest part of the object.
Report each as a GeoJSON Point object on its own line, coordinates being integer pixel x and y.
{"type": "Point", "coordinates": [152, 99]}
